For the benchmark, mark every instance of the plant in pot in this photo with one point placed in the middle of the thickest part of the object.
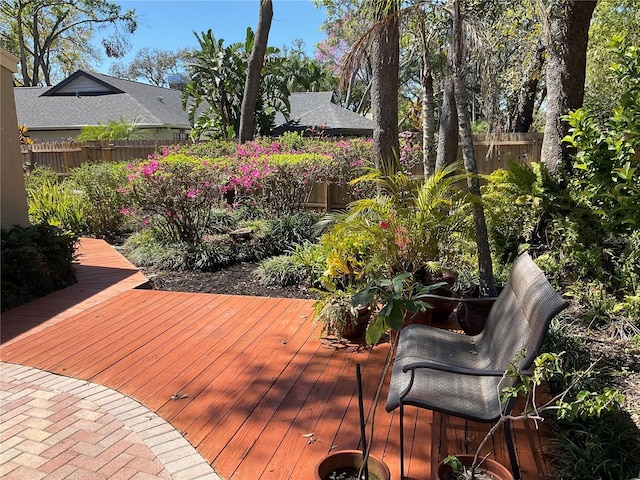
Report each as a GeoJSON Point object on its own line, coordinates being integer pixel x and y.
{"type": "Point", "coordinates": [339, 317]}
{"type": "Point", "coordinates": [567, 404]}
{"type": "Point", "coordinates": [392, 301]}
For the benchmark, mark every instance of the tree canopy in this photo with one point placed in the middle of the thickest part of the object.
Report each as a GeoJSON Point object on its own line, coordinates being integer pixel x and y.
{"type": "Point", "coordinates": [153, 66]}
{"type": "Point", "coordinates": [53, 37]}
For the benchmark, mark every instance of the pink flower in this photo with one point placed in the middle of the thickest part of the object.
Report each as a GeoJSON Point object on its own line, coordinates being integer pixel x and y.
{"type": "Point", "coordinates": [125, 211]}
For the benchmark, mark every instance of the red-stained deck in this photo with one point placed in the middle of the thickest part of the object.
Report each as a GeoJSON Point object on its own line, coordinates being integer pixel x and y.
{"type": "Point", "coordinates": [246, 380]}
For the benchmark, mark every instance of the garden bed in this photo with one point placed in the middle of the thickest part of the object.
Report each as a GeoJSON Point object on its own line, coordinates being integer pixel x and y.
{"type": "Point", "coordinates": [237, 279]}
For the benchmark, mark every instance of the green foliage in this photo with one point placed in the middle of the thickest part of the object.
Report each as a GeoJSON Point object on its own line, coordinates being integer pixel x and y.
{"type": "Point", "coordinates": [403, 228]}
{"type": "Point", "coordinates": [290, 178]}
{"type": "Point", "coordinates": [36, 261]}
{"type": "Point", "coordinates": [217, 80]}
{"type": "Point", "coordinates": [312, 258]}
{"type": "Point", "coordinates": [271, 237]}
{"type": "Point", "coordinates": [611, 18]}
{"type": "Point", "coordinates": [59, 205]}
{"type": "Point", "coordinates": [605, 447]}
{"type": "Point", "coordinates": [281, 234]}
{"type": "Point", "coordinates": [516, 201]}
{"type": "Point", "coordinates": [113, 130]}
{"type": "Point", "coordinates": [102, 186]}
{"type": "Point", "coordinates": [38, 176]}
{"type": "Point", "coordinates": [606, 177]}
{"type": "Point", "coordinates": [389, 299]}
{"type": "Point", "coordinates": [281, 270]}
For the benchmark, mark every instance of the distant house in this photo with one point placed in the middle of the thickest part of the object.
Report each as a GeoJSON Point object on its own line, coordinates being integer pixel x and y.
{"type": "Point", "coordinates": [314, 112]}
{"type": "Point", "coordinates": [89, 99]}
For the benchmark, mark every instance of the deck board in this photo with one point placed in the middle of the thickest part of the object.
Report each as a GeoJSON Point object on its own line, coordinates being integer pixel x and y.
{"type": "Point", "coordinates": [257, 377]}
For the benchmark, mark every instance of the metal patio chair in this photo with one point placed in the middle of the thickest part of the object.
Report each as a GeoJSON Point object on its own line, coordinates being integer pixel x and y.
{"type": "Point", "coordinates": [462, 375]}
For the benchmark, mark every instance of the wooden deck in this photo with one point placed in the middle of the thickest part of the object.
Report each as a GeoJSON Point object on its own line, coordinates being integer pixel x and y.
{"type": "Point", "coordinates": [246, 380]}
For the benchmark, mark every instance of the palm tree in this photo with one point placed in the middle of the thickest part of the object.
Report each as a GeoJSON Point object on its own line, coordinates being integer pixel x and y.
{"type": "Point", "coordinates": [252, 83]}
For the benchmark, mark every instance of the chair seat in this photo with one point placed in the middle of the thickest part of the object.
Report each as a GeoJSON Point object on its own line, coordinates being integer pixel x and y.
{"type": "Point", "coordinates": [472, 397]}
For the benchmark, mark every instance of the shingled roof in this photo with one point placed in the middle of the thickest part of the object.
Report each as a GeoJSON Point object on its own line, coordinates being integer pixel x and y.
{"type": "Point", "coordinates": [316, 110]}
{"type": "Point", "coordinates": [85, 99]}
{"type": "Point", "coordinates": [89, 99]}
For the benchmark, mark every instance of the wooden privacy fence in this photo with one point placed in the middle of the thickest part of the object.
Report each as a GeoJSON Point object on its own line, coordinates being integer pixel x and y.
{"type": "Point", "coordinates": [63, 156]}
{"type": "Point", "coordinates": [493, 151]}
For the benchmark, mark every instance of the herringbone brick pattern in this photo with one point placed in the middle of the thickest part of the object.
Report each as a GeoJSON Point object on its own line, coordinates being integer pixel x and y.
{"type": "Point", "coordinates": [56, 427]}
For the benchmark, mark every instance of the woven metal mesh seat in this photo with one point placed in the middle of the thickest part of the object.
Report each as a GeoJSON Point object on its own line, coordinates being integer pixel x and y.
{"type": "Point", "coordinates": [462, 375]}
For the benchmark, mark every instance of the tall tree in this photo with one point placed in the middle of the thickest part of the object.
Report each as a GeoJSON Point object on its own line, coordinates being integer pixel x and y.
{"type": "Point", "coordinates": [385, 61]}
{"type": "Point", "coordinates": [487, 282]}
{"type": "Point", "coordinates": [41, 31]}
{"type": "Point", "coordinates": [568, 35]}
{"type": "Point", "coordinates": [252, 82]}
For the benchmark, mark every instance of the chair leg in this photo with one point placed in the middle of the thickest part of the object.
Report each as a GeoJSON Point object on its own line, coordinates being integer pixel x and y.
{"type": "Point", "coordinates": [401, 440]}
{"type": "Point", "coordinates": [512, 451]}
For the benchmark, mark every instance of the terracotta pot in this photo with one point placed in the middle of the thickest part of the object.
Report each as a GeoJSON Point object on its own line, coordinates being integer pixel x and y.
{"type": "Point", "coordinates": [496, 470]}
{"type": "Point", "coordinates": [351, 458]}
{"type": "Point", "coordinates": [352, 331]}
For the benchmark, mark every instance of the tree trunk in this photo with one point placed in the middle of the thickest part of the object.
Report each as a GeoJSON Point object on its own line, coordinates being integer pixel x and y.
{"type": "Point", "coordinates": [448, 128]}
{"type": "Point", "coordinates": [428, 106]}
{"type": "Point", "coordinates": [487, 282]}
{"type": "Point", "coordinates": [567, 50]}
{"type": "Point", "coordinates": [384, 89]}
{"type": "Point", "coordinates": [254, 68]}
{"type": "Point", "coordinates": [523, 118]}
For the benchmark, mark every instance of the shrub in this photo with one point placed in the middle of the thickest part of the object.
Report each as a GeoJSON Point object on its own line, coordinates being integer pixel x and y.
{"type": "Point", "coordinates": [280, 271]}
{"type": "Point", "coordinates": [59, 205]}
{"type": "Point", "coordinates": [606, 177]}
{"type": "Point", "coordinates": [290, 178]}
{"type": "Point", "coordinates": [516, 200]}
{"type": "Point", "coordinates": [113, 130]}
{"type": "Point", "coordinates": [36, 261]}
{"type": "Point", "coordinates": [38, 176]}
{"type": "Point", "coordinates": [102, 186]}
{"type": "Point", "coordinates": [281, 234]}
{"type": "Point", "coordinates": [175, 195]}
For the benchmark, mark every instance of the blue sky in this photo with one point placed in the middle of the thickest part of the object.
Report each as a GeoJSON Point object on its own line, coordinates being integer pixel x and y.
{"type": "Point", "coordinates": [169, 24]}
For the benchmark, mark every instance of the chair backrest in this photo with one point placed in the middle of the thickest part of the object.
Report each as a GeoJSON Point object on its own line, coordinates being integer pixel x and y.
{"type": "Point", "coordinates": [520, 317]}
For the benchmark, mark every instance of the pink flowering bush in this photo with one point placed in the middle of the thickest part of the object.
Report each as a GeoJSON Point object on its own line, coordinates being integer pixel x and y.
{"type": "Point", "coordinates": [174, 195]}
{"type": "Point", "coordinates": [290, 178]}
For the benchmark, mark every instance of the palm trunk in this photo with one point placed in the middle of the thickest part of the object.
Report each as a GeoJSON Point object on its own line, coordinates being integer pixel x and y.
{"type": "Point", "coordinates": [487, 282]}
{"type": "Point", "coordinates": [252, 83]}
{"type": "Point", "coordinates": [384, 90]}
{"type": "Point", "coordinates": [428, 103]}
{"type": "Point", "coordinates": [447, 151]}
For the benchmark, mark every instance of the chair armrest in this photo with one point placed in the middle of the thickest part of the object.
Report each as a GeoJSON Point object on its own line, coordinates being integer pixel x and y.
{"type": "Point", "coordinates": [470, 300]}
{"type": "Point", "coordinates": [443, 367]}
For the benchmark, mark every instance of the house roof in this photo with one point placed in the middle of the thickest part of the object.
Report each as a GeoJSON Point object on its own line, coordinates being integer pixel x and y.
{"type": "Point", "coordinates": [316, 109]}
{"type": "Point", "coordinates": [86, 98]}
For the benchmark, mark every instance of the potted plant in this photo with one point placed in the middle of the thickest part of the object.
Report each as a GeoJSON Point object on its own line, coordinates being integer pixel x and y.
{"type": "Point", "coordinates": [346, 465]}
{"type": "Point", "coordinates": [339, 317]}
{"type": "Point", "coordinates": [392, 302]}
{"type": "Point", "coordinates": [546, 366]}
